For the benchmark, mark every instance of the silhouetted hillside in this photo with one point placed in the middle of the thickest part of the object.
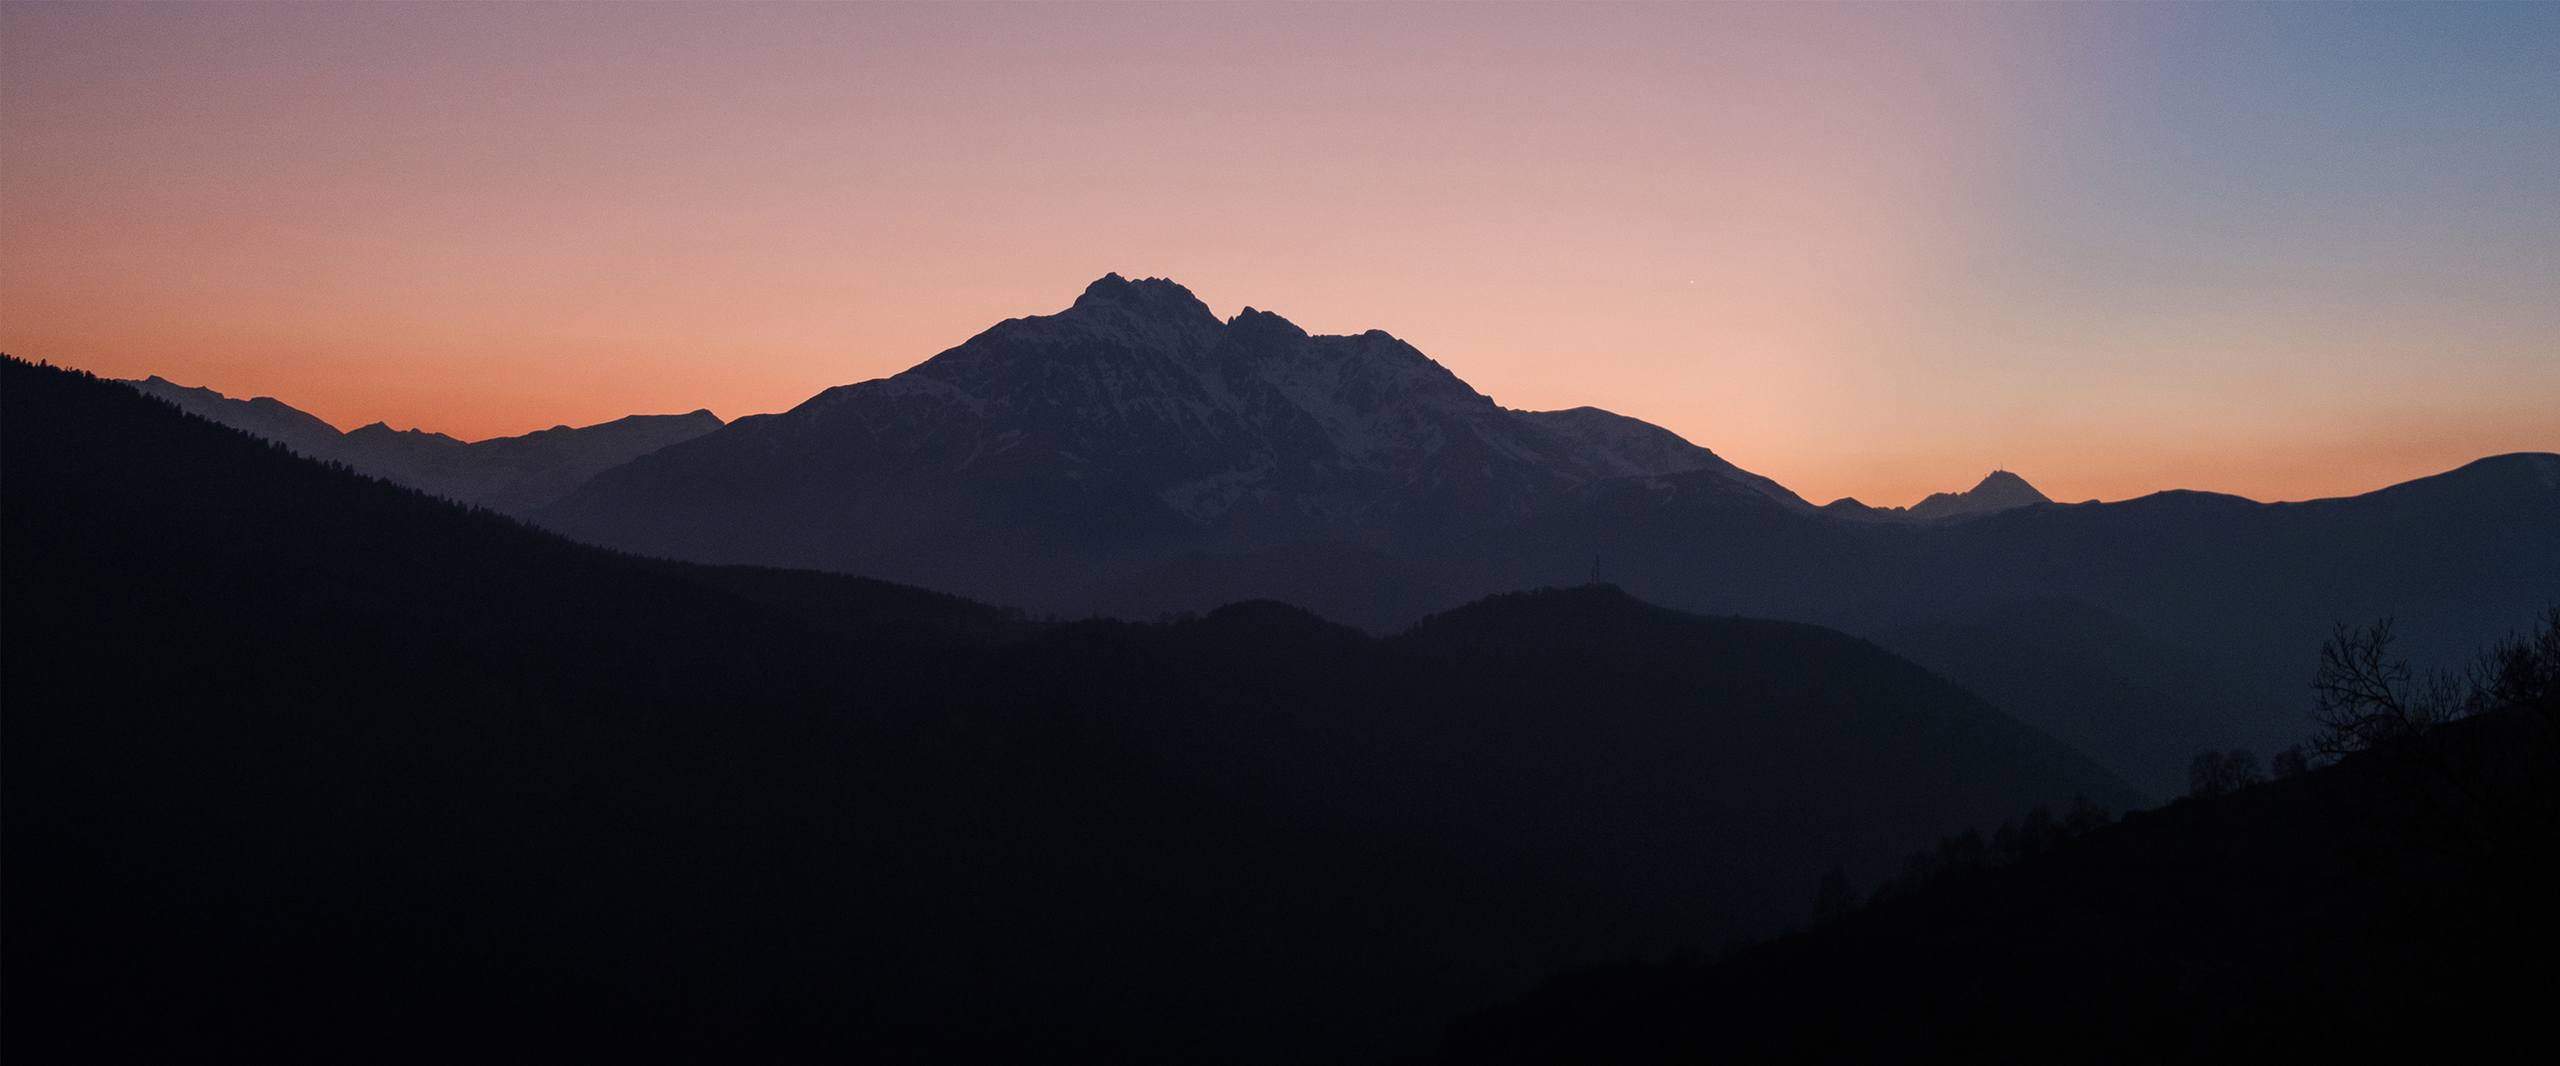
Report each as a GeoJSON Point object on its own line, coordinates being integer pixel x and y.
{"type": "Point", "coordinates": [1642, 779]}
{"type": "Point", "coordinates": [2393, 905]}
{"type": "Point", "coordinates": [2102, 684]}
{"type": "Point", "coordinates": [299, 762]}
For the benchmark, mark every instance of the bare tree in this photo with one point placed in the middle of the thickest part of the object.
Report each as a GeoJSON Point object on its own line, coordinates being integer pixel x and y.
{"type": "Point", "coordinates": [2521, 672]}
{"type": "Point", "coordinates": [2084, 817]}
{"type": "Point", "coordinates": [2370, 699]}
{"type": "Point", "coordinates": [2204, 774]}
{"type": "Point", "coordinates": [2290, 763]}
{"type": "Point", "coordinates": [2215, 773]}
{"type": "Point", "coordinates": [2481, 793]}
{"type": "Point", "coordinates": [2240, 769]}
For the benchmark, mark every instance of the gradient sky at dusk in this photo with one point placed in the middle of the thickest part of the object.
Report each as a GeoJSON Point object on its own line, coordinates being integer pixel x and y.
{"type": "Point", "coordinates": [2285, 251]}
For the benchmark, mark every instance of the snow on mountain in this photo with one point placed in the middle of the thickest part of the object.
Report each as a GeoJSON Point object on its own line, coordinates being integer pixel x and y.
{"type": "Point", "coordinates": [1131, 424]}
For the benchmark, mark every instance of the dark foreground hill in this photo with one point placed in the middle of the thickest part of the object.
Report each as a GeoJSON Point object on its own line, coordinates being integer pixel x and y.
{"type": "Point", "coordinates": [2392, 907]}
{"type": "Point", "coordinates": [304, 765]}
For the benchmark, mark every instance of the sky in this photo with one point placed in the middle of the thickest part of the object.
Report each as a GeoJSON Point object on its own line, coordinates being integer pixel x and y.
{"type": "Point", "coordinates": [1876, 251]}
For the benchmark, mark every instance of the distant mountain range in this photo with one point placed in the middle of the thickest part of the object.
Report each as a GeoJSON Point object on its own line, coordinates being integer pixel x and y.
{"type": "Point", "coordinates": [296, 759]}
{"type": "Point", "coordinates": [2000, 491]}
{"type": "Point", "coordinates": [508, 474]}
{"type": "Point", "coordinates": [1134, 456]}
{"type": "Point", "coordinates": [1060, 461]}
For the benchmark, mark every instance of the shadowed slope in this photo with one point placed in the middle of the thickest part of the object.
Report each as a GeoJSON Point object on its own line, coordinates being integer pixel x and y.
{"type": "Point", "coordinates": [297, 758]}
{"type": "Point", "coordinates": [2394, 905]}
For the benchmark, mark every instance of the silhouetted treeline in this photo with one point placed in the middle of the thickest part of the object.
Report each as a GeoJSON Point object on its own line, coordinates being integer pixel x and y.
{"type": "Point", "coordinates": [2395, 903]}
{"type": "Point", "coordinates": [2214, 773]}
{"type": "Point", "coordinates": [2015, 840]}
{"type": "Point", "coordinates": [2462, 756]}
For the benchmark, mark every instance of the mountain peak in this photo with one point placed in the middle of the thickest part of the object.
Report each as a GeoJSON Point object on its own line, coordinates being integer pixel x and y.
{"type": "Point", "coordinates": [1254, 323]}
{"type": "Point", "coordinates": [1146, 296]}
{"type": "Point", "coordinates": [2006, 489]}
{"type": "Point", "coordinates": [1998, 490]}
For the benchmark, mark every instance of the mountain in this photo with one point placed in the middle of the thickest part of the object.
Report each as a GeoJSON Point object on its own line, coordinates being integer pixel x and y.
{"type": "Point", "coordinates": [1998, 491]}
{"type": "Point", "coordinates": [1054, 454]}
{"type": "Point", "coordinates": [1134, 457]}
{"type": "Point", "coordinates": [2218, 602]}
{"type": "Point", "coordinates": [298, 761]}
{"type": "Point", "coordinates": [506, 474]}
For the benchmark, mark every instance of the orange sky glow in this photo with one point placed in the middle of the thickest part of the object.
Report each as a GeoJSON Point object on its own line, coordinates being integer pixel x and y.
{"type": "Point", "coordinates": [1869, 251]}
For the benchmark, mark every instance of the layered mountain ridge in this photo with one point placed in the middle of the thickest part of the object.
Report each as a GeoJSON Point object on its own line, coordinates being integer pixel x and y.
{"type": "Point", "coordinates": [1999, 490]}
{"type": "Point", "coordinates": [297, 758]}
{"type": "Point", "coordinates": [506, 474]}
{"type": "Point", "coordinates": [1134, 456]}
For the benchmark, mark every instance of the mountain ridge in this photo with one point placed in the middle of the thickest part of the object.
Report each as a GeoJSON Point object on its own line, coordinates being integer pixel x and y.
{"type": "Point", "coordinates": [1134, 456]}
{"type": "Point", "coordinates": [1999, 490]}
{"type": "Point", "coordinates": [507, 474]}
